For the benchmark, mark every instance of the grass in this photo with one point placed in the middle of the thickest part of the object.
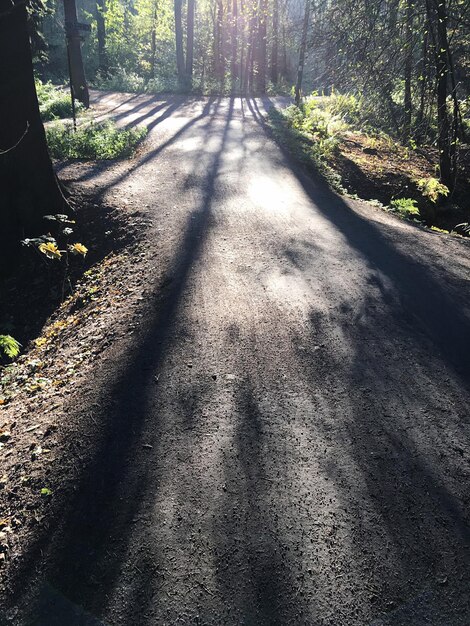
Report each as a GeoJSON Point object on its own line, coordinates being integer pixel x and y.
{"type": "Point", "coordinates": [54, 101]}
{"type": "Point", "coordinates": [93, 141]}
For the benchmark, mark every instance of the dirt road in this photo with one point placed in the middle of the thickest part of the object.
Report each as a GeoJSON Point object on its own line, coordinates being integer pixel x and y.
{"type": "Point", "coordinates": [287, 442]}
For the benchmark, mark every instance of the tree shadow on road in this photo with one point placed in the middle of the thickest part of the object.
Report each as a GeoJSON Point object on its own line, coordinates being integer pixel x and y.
{"type": "Point", "coordinates": [87, 535]}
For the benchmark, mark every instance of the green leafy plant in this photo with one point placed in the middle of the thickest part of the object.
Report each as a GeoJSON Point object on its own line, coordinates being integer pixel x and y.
{"type": "Point", "coordinates": [54, 101]}
{"type": "Point", "coordinates": [93, 141]}
{"type": "Point", "coordinates": [9, 346]}
{"type": "Point", "coordinates": [431, 188]}
{"type": "Point", "coordinates": [406, 207]}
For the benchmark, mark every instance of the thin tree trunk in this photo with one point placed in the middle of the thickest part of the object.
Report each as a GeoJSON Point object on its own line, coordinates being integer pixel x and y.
{"type": "Point", "coordinates": [74, 51]}
{"type": "Point", "coordinates": [179, 42]}
{"type": "Point", "coordinates": [29, 187]}
{"type": "Point", "coordinates": [438, 18]}
{"type": "Point", "coordinates": [262, 55]}
{"type": "Point", "coordinates": [101, 35]}
{"type": "Point", "coordinates": [408, 69]}
{"type": "Point", "coordinates": [220, 62]}
{"type": "Point", "coordinates": [303, 46]}
{"type": "Point", "coordinates": [153, 42]}
{"type": "Point", "coordinates": [234, 65]}
{"type": "Point", "coordinates": [275, 43]}
{"type": "Point", "coordinates": [190, 40]}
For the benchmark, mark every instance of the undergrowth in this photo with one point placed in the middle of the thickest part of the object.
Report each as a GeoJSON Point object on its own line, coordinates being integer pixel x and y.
{"type": "Point", "coordinates": [297, 140]}
{"type": "Point", "coordinates": [54, 101]}
{"type": "Point", "coordinates": [316, 133]}
{"type": "Point", "coordinates": [93, 141]}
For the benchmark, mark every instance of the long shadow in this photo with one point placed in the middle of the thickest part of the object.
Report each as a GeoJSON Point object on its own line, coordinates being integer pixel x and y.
{"type": "Point", "coordinates": [255, 573]}
{"type": "Point", "coordinates": [433, 308]}
{"type": "Point", "coordinates": [92, 531]}
{"type": "Point", "coordinates": [149, 156]}
{"type": "Point", "coordinates": [396, 456]}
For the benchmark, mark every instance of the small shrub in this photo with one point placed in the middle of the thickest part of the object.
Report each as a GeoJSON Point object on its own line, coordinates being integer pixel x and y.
{"type": "Point", "coordinates": [9, 346]}
{"type": "Point", "coordinates": [431, 188]}
{"type": "Point", "coordinates": [405, 207]}
{"type": "Point", "coordinates": [93, 141]}
{"type": "Point", "coordinates": [54, 101]}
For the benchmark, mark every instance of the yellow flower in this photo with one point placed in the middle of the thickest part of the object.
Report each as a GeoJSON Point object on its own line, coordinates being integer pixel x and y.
{"type": "Point", "coordinates": [78, 248]}
{"type": "Point", "coordinates": [50, 250]}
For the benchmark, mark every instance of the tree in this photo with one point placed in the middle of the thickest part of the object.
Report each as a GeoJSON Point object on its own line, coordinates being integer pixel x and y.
{"type": "Point", "coordinates": [190, 39]}
{"type": "Point", "coordinates": [438, 18]}
{"type": "Point", "coordinates": [29, 187]}
{"type": "Point", "coordinates": [303, 46]}
{"type": "Point", "coordinates": [179, 42]}
{"type": "Point", "coordinates": [275, 43]}
{"type": "Point", "coordinates": [74, 52]}
{"type": "Point", "coordinates": [101, 35]}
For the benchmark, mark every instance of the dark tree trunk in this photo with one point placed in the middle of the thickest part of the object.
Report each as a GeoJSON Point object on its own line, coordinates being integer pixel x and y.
{"type": "Point", "coordinates": [234, 65]}
{"type": "Point", "coordinates": [29, 188]}
{"type": "Point", "coordinates": [179, 42]}
{"type": "Point", "coordinates": [437, 12]}
{"type": "Point", "coordinates": [262, 55]}
{"type": "Point", "coordinates": [190, 40]}
{"type": "Point", "coordinates": [408, 69]}
{"type": "Point", "coordinates": [220, 60]}
{"type": "Point", "coordinates": [101, 35]}
{"type": "Point", "coordinates": [153, 42]}
{"type": "Point", "coordinates": [74, 51]}
{"type": "Point", "coordinates": [423, 71]}
{"type": "Point", "coordinates": [303, 46]}
{"type": "Point", "coordinates": [275, 43]}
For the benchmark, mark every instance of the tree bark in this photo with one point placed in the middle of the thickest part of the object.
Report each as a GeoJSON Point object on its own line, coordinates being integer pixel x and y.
{"type": "Point", "coordinates": [275, 43]}
{"type": "Point", "coordinates": [303, 46]}
{"type": "Point", "coordinates": [234, 33]}
{"type": "Point", "coordinates": [101, 35]}
{"type": "Point", "coordinates": [437, 12]}
{"type": "Point", "coordinates": [74, 51]}
{"type": "Point", "coordinates": [179, 42]}
{"type": "Point", "coordinates": [190, 40]}
{"type": "Point", "coordinates": [262, 55]}
{"type": "Point", "coordinates": [29, 187]}
{"type": "Point", "coordinates": [408, 69]}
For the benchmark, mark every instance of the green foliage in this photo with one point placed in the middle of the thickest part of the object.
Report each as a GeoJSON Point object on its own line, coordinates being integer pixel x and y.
{"type": "Point", "coordinates": [288, 128]}
{"type": "Point", "coordinates": [93, 141]}
{"type": "Point", "coordinates": [405, 207]}
{"type": "Point", "coordinates": [432, 189]}
{"type": "Point", "coordinates": [9, 346]}
{"type": "Point", "coordinates": [54, 101]}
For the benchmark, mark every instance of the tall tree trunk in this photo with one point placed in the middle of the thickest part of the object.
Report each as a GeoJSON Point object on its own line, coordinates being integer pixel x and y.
{"type": "Point", "coordinates": [284, 53]}
{"type": "Point", "coordinates": [262, 55]}
{"type": "Point", "coordinates": [74, 51]}
{"type": "Point", "coordinates": [437, 12]}
{"type": "Point", "coordinates": [275, 43]}
{"type": "Point", "coordinates": [29, 188]}
{"type": "Point", "coordinates": [101, 35]}
{"type": "Point", "coordinates": [408, 69]}
{"type": "Point", "coordinates": [303, 46]}
{"type": "Point", "coordinates": [153, 41]}
{"type": "Point", "coordinates": [179, 42]}
{"type": "Point", "coordinates": [190, 40]}
{"type": "Point", "coordinates": [423, 72]}
{"type": "Point", "coordinates": [234, 35]}
{"type": "Point", "coordinates": [220, 61]}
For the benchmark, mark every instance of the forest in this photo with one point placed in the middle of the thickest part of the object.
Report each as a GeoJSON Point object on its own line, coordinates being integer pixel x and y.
{"type": "Point", "coordinates": [234, 312]}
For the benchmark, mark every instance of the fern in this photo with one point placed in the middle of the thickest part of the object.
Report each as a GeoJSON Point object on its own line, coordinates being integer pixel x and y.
{"type": "Point", "coordinates": [9, 346]}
